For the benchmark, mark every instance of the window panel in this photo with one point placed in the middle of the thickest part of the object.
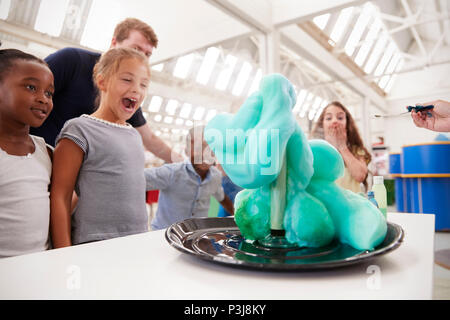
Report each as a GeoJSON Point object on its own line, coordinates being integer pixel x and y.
{"type": "Point", "coordinates": [158, 67]}
{"type": "Point", "coordinates": [103, 17]}
{"type": "Point", "coordinates": [186, 110]}
{"type": "Point", "coordinates": [242, 79]}
{"type": "Point", "coordinates": [385, 59]}
{"type": "Point", "coordinates": [171, 107]}
{"type": "Point", "coordinates": [300, 99]}
{"type": "Point", "coordinates": [358, 29]}
{"type": "Point", "coordinates": [4, 9]}
{"type": "Point", "coordinates": [341, 24]}
{"type": "Point", "coordinates": [368, 43]}
{"type": "Point", "coordinates": [50, 17]}
{"type": "Point", "coordinates": [374, 57]}
{"type": "Point", "coordinates": [155, 104]}
{"type": "Point", "coordinates": [322, 20]}
{"type": "Point", "coordinates": [225, 74]}
{"type": "Point", "coordinates": [256, 80]}
{"type": "Point", "coordinates": [208, 63]}
{"type": "Point", "coordinates": [198, 114]}
{"type": "Point", "coordinates": [183, 65]}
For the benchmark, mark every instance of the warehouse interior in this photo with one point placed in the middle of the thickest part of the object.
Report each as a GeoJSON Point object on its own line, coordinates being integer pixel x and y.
{"type": "Point", "coordinates": [375, 57]}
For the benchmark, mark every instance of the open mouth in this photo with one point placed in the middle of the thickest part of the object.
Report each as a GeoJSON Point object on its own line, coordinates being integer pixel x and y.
{"type": "Point", "coordinates": [129, 103]}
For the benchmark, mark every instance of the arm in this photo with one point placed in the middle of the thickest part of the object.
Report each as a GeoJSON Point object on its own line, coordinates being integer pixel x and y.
{"type": "Point", "coordinates": [227, 204]}
{"type": "Point", "coordinates": [67, 160]}
{"type": "Point", "coordinates": [157, 146]}
{"type": "Point", "coordinates": [440, 119]}
{"type": "Point", "coordinates": [158, 178]}
{"type": "Point", "coordinates": [357, 167]}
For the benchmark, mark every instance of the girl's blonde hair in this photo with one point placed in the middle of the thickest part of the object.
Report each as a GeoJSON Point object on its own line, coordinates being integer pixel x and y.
{"type": "Point", "coordinates": [110, 61]}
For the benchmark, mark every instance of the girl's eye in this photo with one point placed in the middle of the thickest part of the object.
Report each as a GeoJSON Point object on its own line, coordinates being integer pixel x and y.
{"type": "Point", "coordinates": [143, 85]}
{"type": "Point", "coordinates": [31, 87]}
{"type": "Point", "coordinates": [127, 80]}
{"type": "Point", "coordinates": [49, 94]}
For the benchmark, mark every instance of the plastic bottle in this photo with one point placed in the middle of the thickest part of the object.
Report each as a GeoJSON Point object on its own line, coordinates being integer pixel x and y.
{"type": "Point", "coordinates": [371, 197]}
{"type": "Point", "coordinates": [379, 191]}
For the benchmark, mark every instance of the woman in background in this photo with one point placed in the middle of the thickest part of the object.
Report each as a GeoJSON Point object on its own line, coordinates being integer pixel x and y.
{"type": "Point", "coordinates": [336, 125]}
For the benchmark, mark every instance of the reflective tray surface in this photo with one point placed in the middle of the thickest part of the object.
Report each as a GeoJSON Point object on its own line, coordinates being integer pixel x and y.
{"type": "Point", "coordinates": [219, 240]}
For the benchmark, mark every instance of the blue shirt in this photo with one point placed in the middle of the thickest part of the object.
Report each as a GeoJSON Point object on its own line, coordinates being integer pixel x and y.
{"type": "Point", "coordinates": [231, 190]}
{"type": "Point", "coordinates": [182, 194]}
{"type": "Point", "coordinates": [74, 91]}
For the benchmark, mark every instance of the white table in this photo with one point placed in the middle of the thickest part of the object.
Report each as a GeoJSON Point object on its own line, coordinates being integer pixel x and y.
{"type": "Point", "coordinates": [145, 266]}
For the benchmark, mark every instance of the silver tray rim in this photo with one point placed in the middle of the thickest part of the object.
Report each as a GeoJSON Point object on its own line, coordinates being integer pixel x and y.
{"type": "Point", "coordinates": [356, 259]}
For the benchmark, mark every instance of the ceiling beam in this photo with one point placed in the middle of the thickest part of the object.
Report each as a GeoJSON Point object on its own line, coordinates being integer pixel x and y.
{"type": "Point", "coordinates": [168, 86]}
{"type": "Point", "coordinates": [258, 17]}
{"type": "Point", "coordinates": [289, 12]}
{"type": "Point", "coordinates": [34, 36]}
{"type": "Point", "coordinates": [413, 29]}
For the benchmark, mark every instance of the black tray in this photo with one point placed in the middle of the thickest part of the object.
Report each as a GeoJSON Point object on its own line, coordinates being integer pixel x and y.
{"type": "Point", "coordinates": [219, 240]}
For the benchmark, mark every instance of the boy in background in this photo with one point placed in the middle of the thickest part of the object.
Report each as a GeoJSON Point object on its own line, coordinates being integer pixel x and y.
{"type": "Point", "coordinates": [186, 187]}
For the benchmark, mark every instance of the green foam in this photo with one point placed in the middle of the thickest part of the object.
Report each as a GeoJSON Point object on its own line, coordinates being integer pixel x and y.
{"type": "Point", "coordinates": [252, 146]}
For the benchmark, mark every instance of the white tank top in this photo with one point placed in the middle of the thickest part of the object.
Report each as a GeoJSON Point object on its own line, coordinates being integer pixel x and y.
{"type": "Point", "coordinates": [25, 201]}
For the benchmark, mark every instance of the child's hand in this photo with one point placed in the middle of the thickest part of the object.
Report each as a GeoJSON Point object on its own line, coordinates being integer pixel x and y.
{"type": "Point", "coordinates": [337, 136]}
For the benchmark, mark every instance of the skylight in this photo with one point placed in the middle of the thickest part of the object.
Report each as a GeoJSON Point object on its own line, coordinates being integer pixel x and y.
{"type": "Point", "coordinates": [211, 113]}
{"type": "Point", "coordinates": [242, 79]}
{"type": "Point", "coordinates": [322, 20]}
{"type": "Point", "coordinates": [168, 120]}
{"type": "Point", "coordinates": [103, 17]}
{"type": "Point", "coordinates": [186, 110]}
{"type": "Point", "coordinates": [179, 121]}
{"type": "Point", "coordinates": [183, 65]}
{"type": "Point", "coordinates": [390, 69]}
{"type": "Point", "coordinates": [300, 99]}
{"type": "Point", "coordinates": [341, 24]}
{"type": "Point", "coordinates": [374, 57]}
{"type": "Point", "coordinates": [385, 59]}
{"type": "Point", "coordinates": [316, 103]}
{"type": "Point", "coordinates": [198, 113]}
{"type": "Point", "coordinates": [226, 73]}
{"type": "Point", "coordinates": [4, 9]}
{"type": "Point", "coordinates": [311, 114]}
{"type": "Point", "coordinates": [158, 118]}
{"type": "Point", "coordinates": [358, 29]}
{"type": "Point", "coordinates": [208, 63]}
{"type": "Point", "coordinates": [391, 82]}
{"type": "Point", "coordinates": [255, 83]}
{"type": "Point", "coordinates": [158, 67]}
{"type": "Point", "coordinates": [50, 17]}
{"type": "Point", "coordinates": [171, 107]}
{"type": "Point", "coordinates": [306, 105]}
{"type": "Point", "coordinates": [155, 104]}
{"type": "Point", "coordinates": [368, 43]}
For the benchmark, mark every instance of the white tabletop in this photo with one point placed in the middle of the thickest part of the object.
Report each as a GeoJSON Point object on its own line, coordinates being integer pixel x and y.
{"type": "Point", "coordinates": [145, 266]}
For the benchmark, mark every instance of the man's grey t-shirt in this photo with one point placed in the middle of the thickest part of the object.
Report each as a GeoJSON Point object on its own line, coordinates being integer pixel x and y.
{"type": "Point", "coordinates": [111, 181]}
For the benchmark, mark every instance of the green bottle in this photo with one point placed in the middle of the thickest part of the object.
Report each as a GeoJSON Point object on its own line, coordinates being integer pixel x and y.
{"type": "Point", "coordinates": [379, 191]}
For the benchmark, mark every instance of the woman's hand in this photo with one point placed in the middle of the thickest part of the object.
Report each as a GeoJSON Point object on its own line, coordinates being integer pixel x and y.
{"type": "Point", "coordinates": [337, 136]}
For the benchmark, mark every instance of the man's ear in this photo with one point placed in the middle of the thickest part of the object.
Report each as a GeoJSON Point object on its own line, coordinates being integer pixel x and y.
{"type": "Point", "coordinates": [113, 42]}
